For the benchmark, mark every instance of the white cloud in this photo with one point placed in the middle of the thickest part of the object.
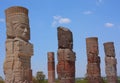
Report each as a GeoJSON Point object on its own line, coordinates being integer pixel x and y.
{"type": "Point", "coordinates": [64, 20]}
{"type": "Point", "coordinates": [2, 20]}
{"type": "Point", "coordinates": [98, 2]}
{"type": "Point", "coordinates": [109, 24]}
{"type": "Point", "coordinates": [54, 23]}
{"type": "Point", "coordinates": [60, 20]}
{"type": "Point", "coordinates": [87, 12]}
{"type": "Point", "coordinates": [57, 17]}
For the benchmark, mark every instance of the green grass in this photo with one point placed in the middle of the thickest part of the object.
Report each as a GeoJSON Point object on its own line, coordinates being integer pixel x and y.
{"type": "Point", "coordinates": [119, 81]}
{"type": "Point", "coordinates": [77, 81]}
{"type": "Point", "coordinates": [81, 81]}
{"type": "Point", "coordinates": [85, 81]}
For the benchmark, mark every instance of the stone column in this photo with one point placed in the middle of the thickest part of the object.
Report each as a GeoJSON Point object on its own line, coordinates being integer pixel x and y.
{"type": "Point", "coordinates": [30, 76]}
{"type": "Point", "coordinates": [111, 62]}
{"type": "Point", "coordinates": [17, 64]}
{"type": "Point", "coordinates": [66, 57]}
{"type": "Point", "coordinates": [51, 67]}
{"type": "Point", "coordinates": [93, 66]}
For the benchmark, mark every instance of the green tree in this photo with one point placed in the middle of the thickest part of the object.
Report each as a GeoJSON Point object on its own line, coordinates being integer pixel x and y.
{"type": "Point", "coordinates": [40, 77]}
{"type": "Point", "coordinates": [34, 80]}
{"type": "Point", "coordinates": [1, 80]}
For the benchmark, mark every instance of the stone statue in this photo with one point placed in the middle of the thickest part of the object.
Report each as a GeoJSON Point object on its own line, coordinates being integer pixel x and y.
{"type": "Point", "coordinates": [110, 62]}
{"type": "Point", "coordinates": [66, 57]}
{"type": "Point", "coordinates": [93, 66]}
{"type": "Point", "coordinates": [51, 67]}
{"type": "Point", "coordinates": [17, 64]}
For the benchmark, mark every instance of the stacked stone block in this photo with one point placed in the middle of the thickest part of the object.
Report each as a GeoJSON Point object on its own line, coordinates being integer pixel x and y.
{"type": "Point", "coordinates": [110, 62]}
{"type": "Point", "coordinates": [66, 57]}
{"type": "Point", "coordinates": [17, 64]}
{"type": "Point", "coordinates": [93, 66]}
{"type": "Point", "coordinates": [51, 67]}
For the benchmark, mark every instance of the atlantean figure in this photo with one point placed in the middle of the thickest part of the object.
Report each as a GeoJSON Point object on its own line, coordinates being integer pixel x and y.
{"type": "Point", "coordinates": [111, 62]}
{"type": "Point", "coordinates": [66, 57]}
{"type": "Point", "coordinates": [17, 64]}
{"type": "Point", "coordinates": [93, 66]}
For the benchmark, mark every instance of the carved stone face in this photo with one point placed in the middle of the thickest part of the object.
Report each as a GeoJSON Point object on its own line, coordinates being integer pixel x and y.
{"type": "Point", "coordinates": [18, 27]}
{"type": "Point", "coordinates": [22, 31]}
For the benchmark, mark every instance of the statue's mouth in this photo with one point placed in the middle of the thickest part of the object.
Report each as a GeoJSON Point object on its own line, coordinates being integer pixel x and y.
{"type": "Point", "coordinates": [25, 34]}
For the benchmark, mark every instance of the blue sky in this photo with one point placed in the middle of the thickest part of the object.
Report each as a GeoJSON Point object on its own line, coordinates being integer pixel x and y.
{"type": "Point", "coordinates": [85, 18]}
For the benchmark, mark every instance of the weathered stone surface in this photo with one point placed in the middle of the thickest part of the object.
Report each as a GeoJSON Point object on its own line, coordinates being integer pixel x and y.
{"type": "Point", "coordinates": [17, 23]}
{"type": "Point", "coordinates": [17, 64]}
{"type": "Point", "coordinates": [93, 66]}
{"type": "Point", "coordinates": [93, 59]}
{"type": "Point", "coordinates": [51, 67]}
{"type": "Point", "coordinates": [23, 48]}
{"type": "Point", "coordinates": [112, 79]}
{"type": "Point", "coordinates": [111, 62]}
{"type": "Point", "coordinates": [19, 47]}
{"type": "Point", "coordinates": [66, 70]}
{"type": "Point", "coordinates": [66, 57]}
{"type": "Point", "coordinates": [92, 46]}
{"type": "Point", "coordinates": [93, 70]}
{"type": "Point", "coordinates": [109, 49]}
{"type": "Point", "coordinates": [30, 76]}
{"type": "Point", "coordinates": [65, 39]}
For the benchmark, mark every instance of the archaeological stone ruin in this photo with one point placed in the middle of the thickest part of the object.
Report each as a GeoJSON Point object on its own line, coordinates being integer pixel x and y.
{"type": "Point", "coordinates": [93, 66]}
{"type": "Point", "coordinates": [17, 64]}
{"type": "Point", "coordinates": [111, 62]}
{"type": "Point", "coordinates": [51, 67]}
{"type": "Point", "coordinates": [66, 56]}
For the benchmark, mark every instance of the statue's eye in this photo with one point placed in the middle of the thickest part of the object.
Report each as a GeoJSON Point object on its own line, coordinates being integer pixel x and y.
{"type": "Point", "coordinates": [22, 27]}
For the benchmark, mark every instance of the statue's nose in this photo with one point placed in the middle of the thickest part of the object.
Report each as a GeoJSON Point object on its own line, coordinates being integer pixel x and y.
{"type": "Point", "coordinates": [25, 30]}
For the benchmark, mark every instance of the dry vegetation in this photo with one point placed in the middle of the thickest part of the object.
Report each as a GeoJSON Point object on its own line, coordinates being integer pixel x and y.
{"type": "Point", "coordinates": [77, 81]}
